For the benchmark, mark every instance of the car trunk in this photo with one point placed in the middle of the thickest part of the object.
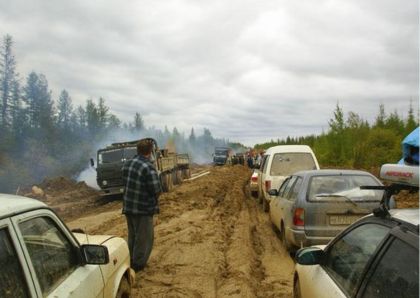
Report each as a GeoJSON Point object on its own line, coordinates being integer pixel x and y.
{"type": "Point", "coordinates": [327, 219]}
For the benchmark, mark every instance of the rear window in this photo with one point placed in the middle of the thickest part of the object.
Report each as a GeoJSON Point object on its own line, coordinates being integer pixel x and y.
{"type": "Point", "coordinates": [336, 187]}
{"type": "Point", "coordinates": [285, 164]}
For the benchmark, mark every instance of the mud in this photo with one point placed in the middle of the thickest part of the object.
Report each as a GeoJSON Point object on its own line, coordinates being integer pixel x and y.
{"type": "Point", "coordinates": [211, 240]}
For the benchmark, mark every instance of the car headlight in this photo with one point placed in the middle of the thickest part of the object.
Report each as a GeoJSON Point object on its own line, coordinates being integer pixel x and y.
{"type": "Point", "coordinates": [105, 183]}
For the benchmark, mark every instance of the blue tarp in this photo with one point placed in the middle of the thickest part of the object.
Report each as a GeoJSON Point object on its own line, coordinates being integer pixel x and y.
{"type": "Point", "coordinates": [410, 147]}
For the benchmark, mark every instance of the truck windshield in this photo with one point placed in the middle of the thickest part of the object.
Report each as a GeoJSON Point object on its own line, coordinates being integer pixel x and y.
{"type": "Point", "coordinates": [116, 155]}
{"type": "Point", "coordinates": [110, 156]}
{"type": "Point", "coordinates": [221, 152]}
{"type": "Point", "coordinates": [285, 164]}
{"type": "Point", "coordinates": [334, 187]}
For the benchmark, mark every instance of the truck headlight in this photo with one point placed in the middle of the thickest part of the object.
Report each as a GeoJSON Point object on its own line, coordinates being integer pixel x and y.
{"type": "Point", "coordinates": [104, 183]}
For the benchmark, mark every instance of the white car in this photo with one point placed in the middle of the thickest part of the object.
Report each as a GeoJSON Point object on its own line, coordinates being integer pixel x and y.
{"type": "Point", "coordinates": [278, 163]}
{"type": "Point", "coordinates": [40, 257]}
{"type": "Point", "coordinates": [375, 257]}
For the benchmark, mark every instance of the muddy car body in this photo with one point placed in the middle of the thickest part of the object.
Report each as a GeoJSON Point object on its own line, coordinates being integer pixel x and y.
{"type": "Point", "coordinates": [312, 207]}
{"type": "Point", "coordinates": [40, 257]}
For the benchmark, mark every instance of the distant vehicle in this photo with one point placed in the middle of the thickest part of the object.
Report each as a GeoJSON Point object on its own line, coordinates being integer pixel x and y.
{"type": "Point", "coordinates": [222, 155]}
{"type": "Point", "coordinates": [377, 256]}
{"type": "Point", "coordinates": [278, 163]}
{"type": "Point", "coordinates": [40, 257]}
{"type": "Point", "coordinates": [253, 183]}
{"type": "Point", "coordinates": [172, 167]}
{"type": "Point", "coordinates": [312, 207]}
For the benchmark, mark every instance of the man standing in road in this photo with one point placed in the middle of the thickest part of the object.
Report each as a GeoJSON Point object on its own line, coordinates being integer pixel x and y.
{"type": "Point", "coordinates": [140, 203]}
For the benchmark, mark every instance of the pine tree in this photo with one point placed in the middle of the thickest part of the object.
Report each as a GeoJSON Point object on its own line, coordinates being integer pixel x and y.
{"type": "Point", "coordinates": [8, 77]}
{"type": "Point", "coordinates": [138, 122]}
{"type": "Point", "coordinates": [65, 110]}
{"type": "Point", "coordinates": [40, 107]}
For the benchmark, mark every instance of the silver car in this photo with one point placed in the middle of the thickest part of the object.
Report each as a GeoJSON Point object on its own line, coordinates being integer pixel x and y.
{"type": "Point", "coordinates": [311, 207]}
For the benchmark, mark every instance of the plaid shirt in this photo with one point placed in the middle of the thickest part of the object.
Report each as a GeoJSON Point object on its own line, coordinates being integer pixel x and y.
{"type": "Point", "coordinates": [142, 187]}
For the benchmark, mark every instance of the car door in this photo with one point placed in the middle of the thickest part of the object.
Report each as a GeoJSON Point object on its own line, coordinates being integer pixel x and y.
{"type": "Point", "coordinates": [261, 176]}
{"type": "Point", "coordinates": [15, 278]}
{"type": "Point", "coordinates": [343, 266]}
{"type": "Point", "coordinates": [274, 205]}
{"type": "Point", "coordinates": [289, 205]}
{"type": "Point", "coordinates": [395, 273]}
{"type": "Point", "coordinates": [283, 201]}
{"type": "Point", "coordinates": [52, 255]}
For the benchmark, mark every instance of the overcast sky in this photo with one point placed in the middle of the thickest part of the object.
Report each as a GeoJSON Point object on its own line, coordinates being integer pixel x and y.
{"type": "Point", "coordinates": [248, 70]}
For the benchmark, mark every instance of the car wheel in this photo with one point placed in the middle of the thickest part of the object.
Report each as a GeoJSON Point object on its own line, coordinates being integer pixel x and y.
{"type": "Point", "coordinates": [286, 243]}
{"type": "Point", "coordinates": [266, 206]}
{"type": "Point", "coordinates": [296, 289]}
{"type": "Point", "coordinates": [124, 289]}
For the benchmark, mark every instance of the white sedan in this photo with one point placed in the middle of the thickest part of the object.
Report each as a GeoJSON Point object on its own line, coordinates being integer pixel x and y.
{"type": "Point", "coordinates": [40, 257]}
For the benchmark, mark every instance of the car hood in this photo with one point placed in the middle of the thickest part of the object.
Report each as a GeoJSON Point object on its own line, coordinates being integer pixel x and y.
{"type": "Point", "coordinates": [92, 239]}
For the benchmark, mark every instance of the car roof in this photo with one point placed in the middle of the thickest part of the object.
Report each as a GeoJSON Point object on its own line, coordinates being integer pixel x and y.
{"type": "Point", "coordinates": [288, 148]}
{"type": "Point", "coordinates": [12, 204]}
{"type": "Point", "coordinates": [331, 172]}
{"type": "Point", "coordinates": [408, 215]}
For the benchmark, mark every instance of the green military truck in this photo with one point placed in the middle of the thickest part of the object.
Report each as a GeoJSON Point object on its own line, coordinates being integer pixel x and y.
{"type": "Point", "coordinates": [172, 167]}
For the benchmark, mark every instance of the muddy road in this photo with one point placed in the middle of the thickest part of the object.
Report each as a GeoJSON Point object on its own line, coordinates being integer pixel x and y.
{"type": "Point", "coordinates": [211, 240]}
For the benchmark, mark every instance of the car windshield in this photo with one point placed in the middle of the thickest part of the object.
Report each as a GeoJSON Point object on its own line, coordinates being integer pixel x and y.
{"type": "Point", "coordinates": [285, 164]}
{"type": "Point", "coordinates": [343, 187]}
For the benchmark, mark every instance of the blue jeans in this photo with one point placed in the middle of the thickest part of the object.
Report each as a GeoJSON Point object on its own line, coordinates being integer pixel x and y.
{"type": "Point", "coordinates": [140, 239]}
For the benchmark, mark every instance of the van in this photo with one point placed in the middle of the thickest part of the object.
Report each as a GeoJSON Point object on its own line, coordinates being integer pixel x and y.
{"type": "Point", "coordinates": [278, 163]}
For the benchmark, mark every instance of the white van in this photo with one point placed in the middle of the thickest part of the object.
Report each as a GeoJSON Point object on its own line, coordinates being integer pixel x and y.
{"type": "Point", "coordinates": [278, 163]}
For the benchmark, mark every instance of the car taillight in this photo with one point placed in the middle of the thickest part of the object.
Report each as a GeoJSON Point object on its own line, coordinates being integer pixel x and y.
{"type": "Point", "coordinates": [254, 178]}
{"type": "Point", "coordinates": [267, 185]}
{"type": "Point", "coordinates": [299, 217]}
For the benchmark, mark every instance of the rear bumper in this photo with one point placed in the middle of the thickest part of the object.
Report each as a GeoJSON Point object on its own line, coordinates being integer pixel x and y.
{"type": "Point", "coordinates": [299, 239]}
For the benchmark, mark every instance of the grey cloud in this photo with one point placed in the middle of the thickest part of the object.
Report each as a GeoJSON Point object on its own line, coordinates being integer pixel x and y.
{"type": "Point", "coordinates": [248, 70]}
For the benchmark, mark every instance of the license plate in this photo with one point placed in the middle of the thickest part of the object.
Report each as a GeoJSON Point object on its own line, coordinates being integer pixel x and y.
{"type": "Point", "coordinates": [343, 219]}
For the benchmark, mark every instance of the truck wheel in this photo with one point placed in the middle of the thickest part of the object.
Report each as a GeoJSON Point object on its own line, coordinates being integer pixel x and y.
{"type": "Point", "coordinates": [170, 182]}
{"type": "Point", "coordinates": [174, 178]}
{"type": "Point", "coordinates": [124, 289]}
{"type": "Point", "coordinates": [164, 180]}
{"type": "Point", "coordinates": [179, 176]}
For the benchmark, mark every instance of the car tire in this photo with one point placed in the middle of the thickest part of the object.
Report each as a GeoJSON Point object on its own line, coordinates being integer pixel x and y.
{"type": "Point", "coordinates": [124, 289]}
{"type": "Point", "coordinates": [266, 206]}
{"type": "Point", "coordinates": [296, 289]}
{"type": "Point", "coordinates": [286, 243]}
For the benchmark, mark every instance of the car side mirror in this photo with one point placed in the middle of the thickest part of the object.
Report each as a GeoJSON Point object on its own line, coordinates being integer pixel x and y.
{"type": "Point", "coordinates": [273, 192]}
{"type": "Point", "coordinates": [309, 256]}
{"type": "Point", "coordinates": [93, 254]}
{"type": "Point", "coordinates": [92, 163]}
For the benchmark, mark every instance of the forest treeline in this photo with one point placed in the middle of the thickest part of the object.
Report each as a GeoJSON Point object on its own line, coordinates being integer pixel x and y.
{"type": "Point", "coordinates": [42, 137]}
{"type": "Point", "coordinates": [352, 142]}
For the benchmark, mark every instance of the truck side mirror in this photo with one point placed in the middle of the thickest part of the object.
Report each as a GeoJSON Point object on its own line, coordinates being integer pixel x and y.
{"type": "Point", "coordinates": [92, 163]}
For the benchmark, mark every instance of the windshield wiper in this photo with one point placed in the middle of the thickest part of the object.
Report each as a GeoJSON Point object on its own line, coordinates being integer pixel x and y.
{"type": "Point", "coordinates": [336, 196]}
